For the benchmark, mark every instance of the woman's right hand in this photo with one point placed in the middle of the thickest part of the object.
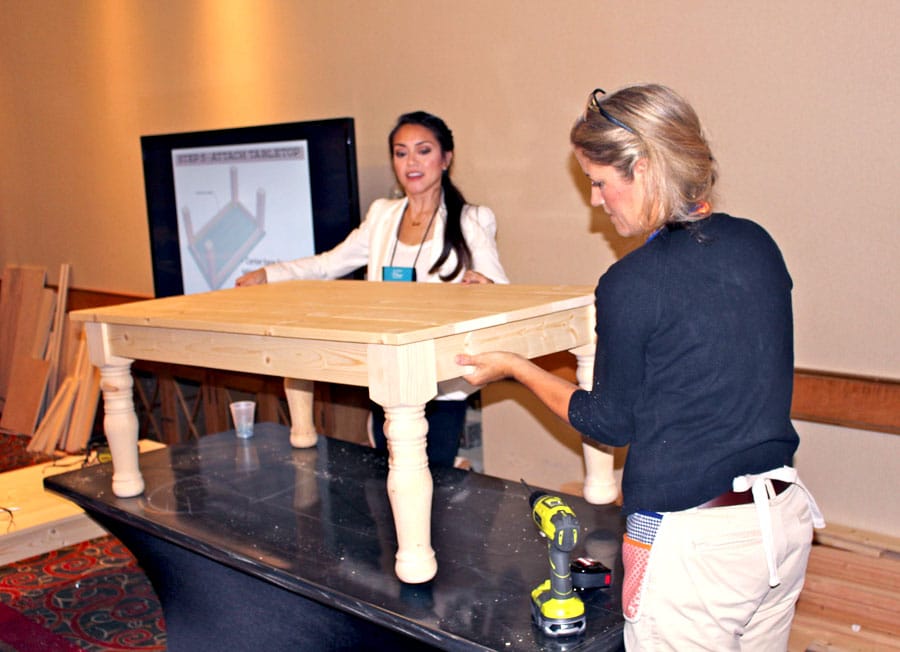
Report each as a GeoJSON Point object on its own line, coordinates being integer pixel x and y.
{"type": "Point", "coordinates": [486, 368]}
{"type": "Point", "coordinates": [256, 277]}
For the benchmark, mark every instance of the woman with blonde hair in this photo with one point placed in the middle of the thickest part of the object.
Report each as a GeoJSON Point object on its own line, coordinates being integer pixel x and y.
{"type": "Point", "coordinates": [694, 372]}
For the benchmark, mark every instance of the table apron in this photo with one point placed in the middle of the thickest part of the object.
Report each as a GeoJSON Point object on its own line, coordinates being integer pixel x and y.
{"type": "Point", "coordinates": [332, 361]}
{"type": "Point", "coordinates": [339, 362]}
{"type": "Point", "coordinates": [531, 338]}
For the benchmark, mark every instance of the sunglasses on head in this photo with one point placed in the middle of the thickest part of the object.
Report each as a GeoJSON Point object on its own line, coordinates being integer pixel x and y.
{"type": "Point", "coordinates": [594, 105]}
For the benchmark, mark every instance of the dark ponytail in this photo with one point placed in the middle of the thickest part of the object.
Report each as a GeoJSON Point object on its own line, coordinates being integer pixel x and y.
{"type": "Point", "coordinates": [453, 199]}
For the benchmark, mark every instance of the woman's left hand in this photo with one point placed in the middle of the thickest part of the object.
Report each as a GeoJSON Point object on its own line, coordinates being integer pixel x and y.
{"type": "Point", "coordinates": [472, 277]}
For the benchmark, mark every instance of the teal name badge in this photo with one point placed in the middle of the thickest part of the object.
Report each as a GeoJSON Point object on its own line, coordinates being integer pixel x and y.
{"type": "Point", "coordinates": [407, 274]}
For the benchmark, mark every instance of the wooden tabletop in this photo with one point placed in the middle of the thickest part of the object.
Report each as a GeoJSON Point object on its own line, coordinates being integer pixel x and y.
{"type": "Point", "coordinates": [347, 311]}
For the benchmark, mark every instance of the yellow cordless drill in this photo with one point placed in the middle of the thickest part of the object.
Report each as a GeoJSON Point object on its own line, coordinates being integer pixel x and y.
{"type": "Point", "coordinates": [554, 606]}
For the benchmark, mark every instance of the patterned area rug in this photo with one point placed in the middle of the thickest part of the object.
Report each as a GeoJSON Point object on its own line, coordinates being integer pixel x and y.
{"type": "Point", "coordinates": [91, 596]}
{"type": "Point", "coordinates": [14, 453]}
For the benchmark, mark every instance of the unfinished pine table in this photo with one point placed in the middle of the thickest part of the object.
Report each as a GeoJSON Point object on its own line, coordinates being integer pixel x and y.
{"type": "Point", "coordinates": [399, 339]}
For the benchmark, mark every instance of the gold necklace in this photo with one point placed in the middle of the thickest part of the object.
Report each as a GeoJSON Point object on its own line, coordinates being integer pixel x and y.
{"type": "Point", "coordinates": [414, 222]}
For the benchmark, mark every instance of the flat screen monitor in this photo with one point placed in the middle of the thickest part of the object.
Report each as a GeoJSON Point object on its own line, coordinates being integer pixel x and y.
{"type": "Point", "coordinates": [223, 202]}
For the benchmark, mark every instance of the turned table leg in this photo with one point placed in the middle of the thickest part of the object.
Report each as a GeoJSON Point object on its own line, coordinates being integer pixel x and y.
{"type": "Point", "coordinates": [120, 424]}
{"type": "Point", "coordinates": [410, 488]}
{"type": "Point", "coordinates": [600, 486]}
{"type": "Point", "coordinates": [299, 395]}
{"type": "Point", "coordinates": [402, 379]}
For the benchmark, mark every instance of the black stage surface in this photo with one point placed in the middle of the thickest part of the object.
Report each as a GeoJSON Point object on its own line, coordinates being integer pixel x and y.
{"type": "Point", "coordinates": [254, 545]}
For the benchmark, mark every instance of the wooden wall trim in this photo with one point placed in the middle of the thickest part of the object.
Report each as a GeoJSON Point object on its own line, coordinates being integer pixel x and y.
{"type": "Point", "coordinates": [862, 402]}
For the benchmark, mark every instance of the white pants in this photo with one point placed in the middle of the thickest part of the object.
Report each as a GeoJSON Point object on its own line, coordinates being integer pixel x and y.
{"type": "Point", "coordinates": [707, 582]}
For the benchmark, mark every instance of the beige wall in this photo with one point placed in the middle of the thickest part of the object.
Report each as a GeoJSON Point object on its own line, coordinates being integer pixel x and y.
{"type": "Point", "coordinates": [800, 100]}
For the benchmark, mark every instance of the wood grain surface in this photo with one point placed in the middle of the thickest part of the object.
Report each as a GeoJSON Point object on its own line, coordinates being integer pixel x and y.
{"type": "Point", "coordinates": [350, 311]}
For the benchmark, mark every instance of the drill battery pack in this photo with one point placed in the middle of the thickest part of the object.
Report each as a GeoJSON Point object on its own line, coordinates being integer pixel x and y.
{"type": "Point", "coordinates": [590, 573]}
{"type": "Point", "coordinates": [557, 617]}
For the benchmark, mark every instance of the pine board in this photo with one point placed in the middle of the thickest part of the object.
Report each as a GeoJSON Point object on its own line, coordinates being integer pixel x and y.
{"type": "Point", "coordinates": [44, 521]}
{"type": "Point", "coordinates": [25, 397]}
{"type": "Point", "coordinates": [22, 288]}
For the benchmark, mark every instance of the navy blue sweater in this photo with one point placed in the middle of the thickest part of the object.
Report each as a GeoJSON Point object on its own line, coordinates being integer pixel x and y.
{"type": "Point", "coordinates": [694, 366]}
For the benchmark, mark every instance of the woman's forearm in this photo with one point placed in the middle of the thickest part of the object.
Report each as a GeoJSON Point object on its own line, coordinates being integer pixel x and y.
{"type": "Point", "coordinates": [550, 389]}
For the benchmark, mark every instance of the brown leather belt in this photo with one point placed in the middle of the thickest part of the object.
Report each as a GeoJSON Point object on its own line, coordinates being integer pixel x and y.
{"type": "Point", "coordinates": [730, 498]}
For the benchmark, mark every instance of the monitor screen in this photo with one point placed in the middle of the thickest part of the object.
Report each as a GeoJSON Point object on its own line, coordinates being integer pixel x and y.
{"type": "Point", "coordinates": [221, 203]}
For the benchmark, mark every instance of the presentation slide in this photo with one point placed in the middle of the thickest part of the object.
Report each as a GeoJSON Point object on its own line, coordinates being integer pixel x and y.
{"type": "Point", "coordinates": [241, 207]}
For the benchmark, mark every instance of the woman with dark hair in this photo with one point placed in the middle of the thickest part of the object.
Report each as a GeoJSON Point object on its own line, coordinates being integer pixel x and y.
{"type": "Point", "coordinates": [431, 235]}
{"type": "Point", "coordinates": [693, 371]}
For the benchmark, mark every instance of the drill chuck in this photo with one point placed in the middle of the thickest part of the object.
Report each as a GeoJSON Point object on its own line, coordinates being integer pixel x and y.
{"type": "Point", "coordinates": [555, 520]}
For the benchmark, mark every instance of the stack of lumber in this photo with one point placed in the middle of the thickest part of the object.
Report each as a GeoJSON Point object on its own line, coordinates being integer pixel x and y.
{"type": "Point", "coordinates": [48, 388]}
{"type": "Point", "coordinates": [851, 599]}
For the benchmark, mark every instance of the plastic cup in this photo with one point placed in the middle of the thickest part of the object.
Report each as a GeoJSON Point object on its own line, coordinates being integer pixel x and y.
{"type": "Point", "coordinates": [242, 413]}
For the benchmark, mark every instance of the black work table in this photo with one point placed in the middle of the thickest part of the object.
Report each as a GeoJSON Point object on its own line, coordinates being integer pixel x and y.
{"type": "Point", "coordinates": [255, 545]}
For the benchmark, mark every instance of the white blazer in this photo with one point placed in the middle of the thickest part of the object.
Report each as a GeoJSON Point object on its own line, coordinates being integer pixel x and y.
{"type": "Point", "coordinates": [370, 245]}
